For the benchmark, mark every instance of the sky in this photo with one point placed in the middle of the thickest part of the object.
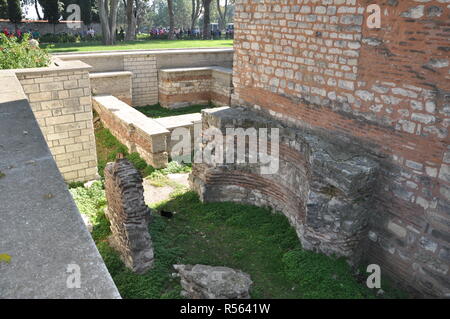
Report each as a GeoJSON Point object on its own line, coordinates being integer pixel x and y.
{"type": "Point", "coordinates": [30, 12]}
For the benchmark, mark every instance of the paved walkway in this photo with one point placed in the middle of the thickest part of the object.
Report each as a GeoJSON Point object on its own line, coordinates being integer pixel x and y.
{"type": "Point", "coordinates": [155, 194]}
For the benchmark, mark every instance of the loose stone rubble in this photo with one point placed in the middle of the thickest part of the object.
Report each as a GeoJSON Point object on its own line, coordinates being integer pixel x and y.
{"type": "Point", "coordinates": [207, 282]}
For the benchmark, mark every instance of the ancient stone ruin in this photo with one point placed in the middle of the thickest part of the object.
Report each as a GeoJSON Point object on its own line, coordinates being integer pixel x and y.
{"type": "Point", "coordinates": [207, 282]}
{"type": "Point", "coordinates": [363, 114]}
{"type": "Point", "coordinates": [129, 215]}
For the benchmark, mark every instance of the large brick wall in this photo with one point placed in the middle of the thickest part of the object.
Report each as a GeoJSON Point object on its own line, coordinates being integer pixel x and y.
{"type": "Point", "coordinates": [316, 65]}
{"type": "Point", "coordinates": [61, 102]}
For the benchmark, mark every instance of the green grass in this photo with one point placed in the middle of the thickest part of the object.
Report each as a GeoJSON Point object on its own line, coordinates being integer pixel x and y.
{"type": "Point", "coordinates": [107, 149]}
{"type": "Point", "coordinates": [136, 45]}
{"type": "Point", "coordinates": [157, 111]}
{"type": "Point", "coordinates": [255, 240]}
{"type": "Point", "coordinates": [223, 234]}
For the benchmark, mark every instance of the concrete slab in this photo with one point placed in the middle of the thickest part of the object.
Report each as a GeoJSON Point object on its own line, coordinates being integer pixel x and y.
{"type": "Point", "coordinates": [40, 226]}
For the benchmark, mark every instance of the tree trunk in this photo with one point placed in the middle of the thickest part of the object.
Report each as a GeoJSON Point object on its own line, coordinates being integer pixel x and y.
{"type": "Point", "coordinates": [171, 19]}
{"type": "Point", "coordinates": [36, 7]}
{"type": "Point", "coordinates": [196, 9]}
{"type": "Point", "coordinates": [108, 19]}
{"type": "Point", "coordinates": [207, 20]}
{"type": "Point", "coordinates": [222, 15]}
{"type": "Point", "coordinates": [131, 21]}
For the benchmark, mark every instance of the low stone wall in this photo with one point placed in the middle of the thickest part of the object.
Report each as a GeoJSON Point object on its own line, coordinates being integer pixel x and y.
{"type": "Point", "coordinates": [44, 27]}
{"type": "Point", "coordinates": [118, 82]}
{"type": "Point", "coordinates": [144, 65]}
{"type": "Point", "coordinates": [41, 228]}
{"type": "Point", "coordinates": [151, 138]}
{"type": "Point", "coordinates": [129, 215]}
{"type": "Point", "coordinates": [133, 129]}
{"type": "Point", "coordinates": [60, 97]}
{"type": "Point", "coordinates": [182, 87]}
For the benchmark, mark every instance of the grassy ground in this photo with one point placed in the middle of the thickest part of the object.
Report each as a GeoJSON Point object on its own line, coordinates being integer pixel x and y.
{"type": "Point", "coordinates": [249, 238]}
{"type": "Point", "coordinates": [136, 45]}
{"type": "Point", "coordinates": [108, 147]}
{"type": "Point", "coordinates": [157, 111]}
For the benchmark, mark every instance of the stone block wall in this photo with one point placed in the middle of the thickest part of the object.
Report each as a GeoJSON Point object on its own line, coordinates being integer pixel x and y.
{"type": "Point", "coordinates": [315, 65]}
{"type": "Point", "coordinates": [194, 86]}
{"type": "Point", "coordinates": [117, 83]}
{"type": "Point", "coordinates": [144, 80]}
{"type": "Point", "coordinates": [133, 129]}
{"type": "Point", "coordinates": [222, 86]}
{"type": "Point", "coordinates": [183, 87]}
{"type": "Point", "coordinates": [60, 98]}
{"type": "Point", "coordinates": [145, 65]}
{"type": "Point", "coordinates": [129, 215]}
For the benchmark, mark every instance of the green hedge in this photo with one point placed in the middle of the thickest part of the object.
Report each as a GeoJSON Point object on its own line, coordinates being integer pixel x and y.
{"type": "Point", "coordinates": [20, 54]}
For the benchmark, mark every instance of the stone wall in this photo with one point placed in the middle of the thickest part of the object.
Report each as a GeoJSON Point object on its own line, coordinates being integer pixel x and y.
{"type": "Point", "coordinates": [144, 80]}
{"type": "Point", "coordinates": [44, 27]}
{"type": "Point", "coordinates": [151, 138]}
{"type": "Point", "coordinates": [145, 65]}
{"type": "Point", "coordinates": [194, 86]}
{"type": "Point", "coordinates": [120, 83]}
{"type": "Point", "coordinates": [129, 215]}
{"type": "Point", "coordinates": [315, 65]}
{"type": "Point", "coordinates": [323, 188]}
{"type": "Point", "coordinates": [60, 97]}
{"type": "Point", "coordinates": [41, 228]}
{"type": "Point", "coordinates": [133, 129]}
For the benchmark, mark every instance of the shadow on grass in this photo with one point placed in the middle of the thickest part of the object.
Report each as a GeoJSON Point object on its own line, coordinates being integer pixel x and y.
{"type": "Point", "coordinates": [245, 237]}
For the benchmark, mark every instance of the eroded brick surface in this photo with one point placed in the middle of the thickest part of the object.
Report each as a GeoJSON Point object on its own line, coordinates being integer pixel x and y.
{"type": "Point", "coordinates": [129, 215]}
{"type": "Point", "coordinates": [315, 65]}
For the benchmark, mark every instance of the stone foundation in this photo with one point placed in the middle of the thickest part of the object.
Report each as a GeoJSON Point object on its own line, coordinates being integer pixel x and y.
{"type": "Point", "coordinates": [194, 86]}
{"type": "Point", "coordinates": [323, 186]}
{"type": "Point", "coordinates": [118, 84]}
{"type": "Point", "coordinates": [129, 215]}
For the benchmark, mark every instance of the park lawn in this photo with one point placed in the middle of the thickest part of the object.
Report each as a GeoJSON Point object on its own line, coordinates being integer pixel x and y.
{"type": "Point", "coordinates": [136, 45]}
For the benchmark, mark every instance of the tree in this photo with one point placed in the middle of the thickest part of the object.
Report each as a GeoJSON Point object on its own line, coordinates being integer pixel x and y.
{"type": "Point", "coordinates": [196, 10]}
{"type": "Point", "coordinates": [3, 9]}
{"type": "Point", "coordinates": [108, 19]}
{"type": "Point", "coordinates": [131, 13]}
{"type": "Point", "coordinates": [36, 7]}
{"type": "Point", "coordinates": [86, 11]}
{"type": "Point", "coordinates": [66, 4]}
{"type": "Point", "coordinates": [207, 19]}
{"type": "Point", "coordinates": [14, 11]}
{"type": "Point", "coordinates": [222, 14]}
{"type": "Point", "coordinates": [52, 10]}
{"type": "Point", "coordinates": [171, 19]}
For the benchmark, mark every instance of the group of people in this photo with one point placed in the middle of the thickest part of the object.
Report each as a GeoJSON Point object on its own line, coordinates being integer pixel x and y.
{"type": "Point", "coordinates": [190, 33]}
{"type": "Point", "coordinates": [34, 34]}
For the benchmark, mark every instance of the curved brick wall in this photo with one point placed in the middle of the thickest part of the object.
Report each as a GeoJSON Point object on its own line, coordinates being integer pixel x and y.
{"type": "Point", "coordinates": [324, 190]}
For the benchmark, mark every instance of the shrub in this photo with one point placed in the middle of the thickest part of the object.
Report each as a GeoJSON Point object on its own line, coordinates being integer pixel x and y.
{"type": "Point", "coordinates": [19, 54]}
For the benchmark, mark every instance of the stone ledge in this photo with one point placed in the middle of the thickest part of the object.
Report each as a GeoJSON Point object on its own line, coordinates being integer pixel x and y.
{"type": "Point", "coordinates": [40, 226]}
{"type": "Point", "coordinates": [98, 75]}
